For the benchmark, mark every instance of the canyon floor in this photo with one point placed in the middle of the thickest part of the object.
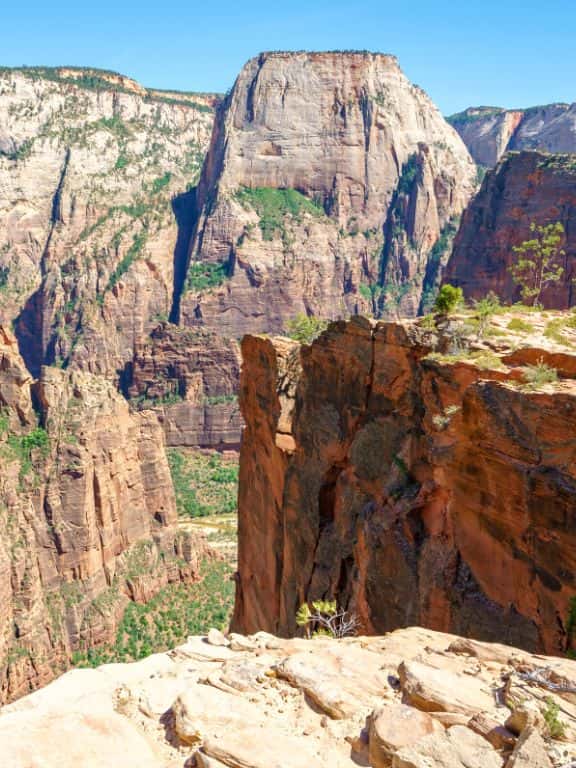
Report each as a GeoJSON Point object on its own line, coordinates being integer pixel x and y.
{"type": "Point", "coordinates": [413, 698]}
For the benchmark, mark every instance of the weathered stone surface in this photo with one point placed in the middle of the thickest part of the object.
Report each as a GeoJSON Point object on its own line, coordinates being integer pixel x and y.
{"type": "Point", "coordinates": [530, 752]}
{"type": "Point", "coordinates": [419, 489]}
{"type": "Point", "coordinates": [394, 727]}
{"type": "Point", "coordinates": [489, 132]}
{"type": "Point", "coordinates": [381, 172]}
{"type": "Point", "coordinates": [524, 188]}
{"type": "Point", "coordinates": [170, 710]}
{"type": "Point", "coordinates": [437, 690]}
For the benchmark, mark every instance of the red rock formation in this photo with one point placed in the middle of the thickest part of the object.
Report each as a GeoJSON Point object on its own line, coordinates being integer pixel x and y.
{"type": "Point", "coordinates": [191, 376]}
{"type": "Point", "coordinates": [87, 518]}
{"type": "Point", "coordinates": [415, 489]}
{"type": "Point", "coordinates": [326, 172]}
{"type": "Point", "coordinates": [489, 132]}
{"type": "Point", "coordinates": [523, 188]}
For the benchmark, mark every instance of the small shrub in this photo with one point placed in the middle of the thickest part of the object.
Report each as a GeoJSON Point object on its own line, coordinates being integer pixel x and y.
{"type": "Point", "coordinates": [556, 727]}
{"type": "Point", "coordinates": [449, 299]}
{"type": "Point", "coordinates": [519, 325]}
{"type": "Point", "coordinates": [273, 205]}
{"type": "Point", "coordinates": [160, 183]}
{"type": "Point", "coordinates": [305, 329]}
{"type": "Point", "coordinates": [204, 275]}
{"type": "Point", "coordinates": [538, 375]}
{"type": "Point", "coordinates": [325, 619]}
{"type": "Point", "coordinates": [485, 309]}
{"type": "Point", "coordinates": [428, 323]}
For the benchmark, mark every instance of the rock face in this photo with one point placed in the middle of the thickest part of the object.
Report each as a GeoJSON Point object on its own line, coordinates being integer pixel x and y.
{"type": "Point", "coordinates": [410, 475]}
{"type": "Point", "coordinates": [91, 173]}
{"type": "Point", "coordinates": [329, 182]}
{"type": "Point", "coordinates": [216, 707]}
{"type": "Point", "coordinates": [489, 132]}
{"type": "Point", "coordinates": [524, 188]}
{"type": "Point", "coordinates": [191, 377]}
{"type": "Point", "coordinates": [87, 517]}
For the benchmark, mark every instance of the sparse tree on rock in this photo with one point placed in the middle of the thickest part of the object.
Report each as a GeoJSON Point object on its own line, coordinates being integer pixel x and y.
{"type": "Point", "coordinates": [538, 260]}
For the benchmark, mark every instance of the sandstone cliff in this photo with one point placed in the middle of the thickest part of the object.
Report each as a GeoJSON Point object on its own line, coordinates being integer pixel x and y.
{"type": "Point", "coordinates": [523, 188]}
{"type": "Point", "coordinates": [411, 699]}
{"type": "Point", "coordinates": [412, 475]}
{"type": "Point", "coordinates": [329, 180]}
{"type": "Point", "coordinates": [489, 132]}
{"type": "Point", "coordinates": [87, 517]}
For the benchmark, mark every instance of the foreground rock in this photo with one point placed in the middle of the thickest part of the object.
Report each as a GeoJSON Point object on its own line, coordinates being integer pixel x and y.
{"type": "Point", "coordinates": [409, 472]}
{"type": "Point", "coordinates": [209, 706]}
{"type": "Point", "coordinates": [524, 188]}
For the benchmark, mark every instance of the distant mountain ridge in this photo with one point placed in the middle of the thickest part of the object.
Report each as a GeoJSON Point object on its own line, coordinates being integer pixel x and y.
{"type": "Point", "coordinates": [489, 132]}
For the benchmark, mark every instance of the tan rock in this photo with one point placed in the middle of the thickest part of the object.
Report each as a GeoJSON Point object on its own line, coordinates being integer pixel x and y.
{"type": "Point", "coordinates": [432, 690]}
{"type": "Point", "coordinates": [216, 637]}
{"type": "Point", "coordinates": [530, 751]}
{"type": "Point", "coordinates": [395, 726]}
{"type": "Point", "coordinates": [472, 750]}
{"type": "Point", "coordinates": [492, 730]}
{"type": "Point", "coordinates": [525, 715]}
{"type": "Point", "coordinates": [435, 750]}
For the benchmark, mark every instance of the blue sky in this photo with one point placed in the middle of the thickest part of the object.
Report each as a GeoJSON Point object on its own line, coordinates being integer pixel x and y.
{"type": "Point", "coordinates": [506, 53]}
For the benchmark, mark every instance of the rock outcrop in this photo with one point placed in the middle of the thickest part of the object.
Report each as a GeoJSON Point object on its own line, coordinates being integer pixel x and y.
{"type": "Point", "coordinates": [191, 378]}
{"type": "Point", "coordinates": [489, 132]}
{"type": "Point", "coordinates": [412, 474]}
{"type": "Point", "coordinates": [87, 517]}
{"type": "Point", "coordinates": [262, 702]}
{"type": "Point", "coordinates": [329, 188]}
{"type": "Point", "coordinates": [524, 188]}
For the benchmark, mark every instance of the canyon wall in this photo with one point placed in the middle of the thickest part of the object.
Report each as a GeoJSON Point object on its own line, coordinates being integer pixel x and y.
{"type": "Point", "coordinates": [331, 186]}
{"type": "Point", "coordinates": [87, 517]}
{"type": "Point", "coordinates": [489, 132]}
{"type": "Point", "coordinates": [96, 214]}
{"type": "Point", "coordinates": [414, 483]}
{"type": "Point", "coordinates": [525, 187]}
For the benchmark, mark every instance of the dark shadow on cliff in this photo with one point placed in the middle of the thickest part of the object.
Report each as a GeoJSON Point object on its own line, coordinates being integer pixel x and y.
{"type": "Point", "coordinates": [28, 332]}
{"type": "Point", "coordinates": [184, 207]}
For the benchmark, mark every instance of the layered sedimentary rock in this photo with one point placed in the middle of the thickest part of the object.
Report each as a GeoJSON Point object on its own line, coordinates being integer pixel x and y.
{"type": "Point", "coordinates": [87, 517]}
{"type": "Point", "coordinates": [191, 377]}
{"type": "Point", "coordinates": [412, 476]}
{"type": "Point", "coordinates": [329, 181]}
{"type": "Point", "coordinates": [524, 188]}
{"type": "Point", "coordinates": [95, 215]}
{"type": "Point", "coordinates": [489, 132]}
{"type": "Point", "coordinates": [411, 699]}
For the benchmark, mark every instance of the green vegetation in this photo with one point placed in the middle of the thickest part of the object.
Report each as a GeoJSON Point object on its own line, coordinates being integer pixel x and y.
{"type": "Point", "coordinates": [536, 376]}
{"type": "Point", "coordinates": [326, 620]}
{"type": "Point", "coordinates": [160, 183]}
{"type": "Point", "coordinates": [520, 326]}
{"type": "Point", "coordinates": [21, 152]}
{"type": "Point", "coordinates": [559, 162]}
{"type": "Point", "coordinates": [305, 328]}
{"type": "Point", "coordinates": [168, 619]}
{"type": "Point", "coordinates": [203, 484]}
{"type": "Point", "coordinates": [4, 275]}
{"type": "Point", "coordinates": [555, 329]}
{"type": "Point", "coordinates": [138, 242]}
{"type": "Point", "coordinates": [485, 309]}
{"type": "Point", "coordinates": [274, 205]}
{"type": "Point", "coordinates": [24, 448]}
{"type": "Point", "coordinates": [463, 118]}
{"type": "Point", "coordinates": [409, 174]}
{"type": "Point", "coordinates": [449, 299]}
{"type": "Point", "coordinates": [537, 264]}
{"type": "Point", "coordinates": [556, 727]}
{"type": "Point", "coordinates": [204, 275]}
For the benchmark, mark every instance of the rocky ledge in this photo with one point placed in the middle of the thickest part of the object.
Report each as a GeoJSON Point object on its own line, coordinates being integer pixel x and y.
{"type": "Point", "coordinates": [420, 473]}
{"type": "Point", "coordinates": [410, 699]}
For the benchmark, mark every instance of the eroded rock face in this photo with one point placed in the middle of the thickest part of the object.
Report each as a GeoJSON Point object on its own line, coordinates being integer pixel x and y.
{"type": "Point", "coordinates": [87, 518]}
{"type": "Point", "coordinates": [524, 188]}
{"type": "Point", "coordinates": [215, 707]}
{"type": "Point", "coordinates": [191, 376]}
{"type": "Point", "coordinates": [94, 213]}
{"type": "Point", "coordinates": [489, 132]}
{"type": "Point", "coordinates": [412, 489]}
{"type": "Point", "coordinates": [328, 182]}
